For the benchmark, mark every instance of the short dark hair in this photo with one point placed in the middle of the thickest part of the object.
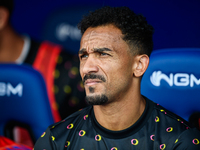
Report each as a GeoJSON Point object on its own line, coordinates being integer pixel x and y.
{"type": "Point", "coordinates": [8, 4]}
{"type": "Point", "coordinates": [137, 32]}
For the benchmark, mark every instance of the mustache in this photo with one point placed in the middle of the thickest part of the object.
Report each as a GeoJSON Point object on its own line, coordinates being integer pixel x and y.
{"type": "Point", "coordinates": [93, 76]}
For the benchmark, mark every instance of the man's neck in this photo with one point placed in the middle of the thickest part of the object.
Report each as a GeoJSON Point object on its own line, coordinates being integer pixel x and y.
{"type": "Point", "coordinates": [11, 45]}
{"type": "Point", "coordinates": [121, 114]}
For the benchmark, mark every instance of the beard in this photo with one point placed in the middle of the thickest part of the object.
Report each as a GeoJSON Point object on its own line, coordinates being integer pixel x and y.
{"type": "Point", "coordinates": [96, 100]}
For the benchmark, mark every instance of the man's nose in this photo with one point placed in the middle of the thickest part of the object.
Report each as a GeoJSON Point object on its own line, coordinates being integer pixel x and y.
{"type": "Point", "coordinates": [90, 66]}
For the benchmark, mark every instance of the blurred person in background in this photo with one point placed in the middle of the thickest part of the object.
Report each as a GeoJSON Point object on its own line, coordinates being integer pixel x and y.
{"type": "Point", "coordinates": [59, 69]}
{"type": "Point", "coordinates": [8, 144]}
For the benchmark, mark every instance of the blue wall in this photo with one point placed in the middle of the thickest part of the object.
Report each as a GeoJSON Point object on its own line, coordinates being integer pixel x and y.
{"type": "Point", "coordinates": [176, 22]}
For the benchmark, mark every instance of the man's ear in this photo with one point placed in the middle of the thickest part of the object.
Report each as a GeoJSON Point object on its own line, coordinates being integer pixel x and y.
{"type": "Point", "coordinates": [141, 63]}
{"type": "Point", "coordinates": [4, 17]}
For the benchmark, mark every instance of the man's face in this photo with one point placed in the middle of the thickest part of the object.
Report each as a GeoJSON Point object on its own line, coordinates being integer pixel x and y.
{"type": "Point", "coordinates": [105, 64]}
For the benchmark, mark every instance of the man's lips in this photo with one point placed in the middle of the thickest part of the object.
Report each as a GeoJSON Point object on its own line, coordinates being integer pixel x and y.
{"type": "Point", "coordinates": [91, 79]}
{"type": "Point", "coordinates": [90, 82]}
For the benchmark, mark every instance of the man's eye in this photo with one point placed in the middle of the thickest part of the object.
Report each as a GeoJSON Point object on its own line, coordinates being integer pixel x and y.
{"type": "Point", "coordinates": [83, 56]}
{"type": "Point", "coordinates": [104, 54]}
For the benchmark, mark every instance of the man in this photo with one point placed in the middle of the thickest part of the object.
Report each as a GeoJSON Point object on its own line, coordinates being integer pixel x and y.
{"type": "Point", "coordinates": [59, 68]}
{"type": "Point", "coordinates": [114, 54]}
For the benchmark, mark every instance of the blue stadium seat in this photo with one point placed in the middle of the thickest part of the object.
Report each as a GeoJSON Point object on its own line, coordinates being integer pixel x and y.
{"type": "Point", "coordinates": [23, 100]}
{"type": "Point", "coordinates": [60, 26]}
{"type": "Point", "coordinates": [173, 80]}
